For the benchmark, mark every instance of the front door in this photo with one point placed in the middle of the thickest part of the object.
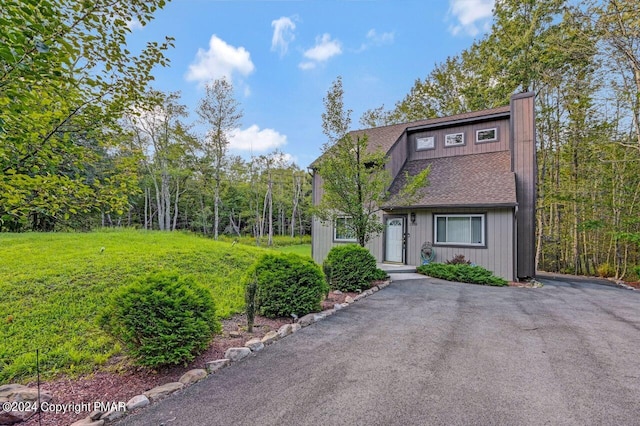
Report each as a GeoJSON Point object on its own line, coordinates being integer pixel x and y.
{"type": "Point", "coordinates": [394, 239]}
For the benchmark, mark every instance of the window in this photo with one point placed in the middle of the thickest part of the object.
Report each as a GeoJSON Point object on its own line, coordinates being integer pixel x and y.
{"type": "Point", "coordinates": [428, 142]}
{"type": "Point", "coordinates": [487, 135]}
{"type": "Point", "coordinates": [454, 139]}
{"type": "Point", "coordinates": [460, 229]}
{"type": "Point", "coordinates": [343, 229]}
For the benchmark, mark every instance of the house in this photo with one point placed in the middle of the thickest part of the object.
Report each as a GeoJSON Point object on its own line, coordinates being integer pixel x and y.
{"type": "Point", "coordinates": [480, 200]}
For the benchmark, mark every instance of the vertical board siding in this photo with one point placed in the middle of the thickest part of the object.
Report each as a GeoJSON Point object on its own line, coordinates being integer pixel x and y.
{"type": "Point", "coordinates": [397, 155]}
{"type": "Point", "coordinates": [497, 256]}
{"type": "Point", "coordinates": [524, 166]}
{"type": "Point", "coordinates": [470, 146]}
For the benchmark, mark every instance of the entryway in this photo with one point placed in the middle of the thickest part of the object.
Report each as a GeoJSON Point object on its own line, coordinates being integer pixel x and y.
{"type": "Point", "coordinates": [394, 239]}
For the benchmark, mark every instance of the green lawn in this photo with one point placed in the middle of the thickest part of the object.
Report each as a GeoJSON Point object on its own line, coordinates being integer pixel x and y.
{"type": "Point", "coordinates": [52, 286]}
{"type": "Point", "coordinates": [301, 249]}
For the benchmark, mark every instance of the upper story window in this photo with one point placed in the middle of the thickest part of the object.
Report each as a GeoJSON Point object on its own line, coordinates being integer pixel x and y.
{"type": "Point", "coordinates": [460, 229]}
{"type": "Point", "coordinates": [427, 142]}
{"type": "Point", "coordinates": [487, 135]}
{"type": "Point", "coordinates": [343, 229]}
{"type": "Point", "coordinates": [454, 139]}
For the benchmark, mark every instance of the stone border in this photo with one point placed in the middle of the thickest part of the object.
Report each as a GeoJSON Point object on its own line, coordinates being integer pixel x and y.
{"type": "Point", "coordinates": [231, 356]}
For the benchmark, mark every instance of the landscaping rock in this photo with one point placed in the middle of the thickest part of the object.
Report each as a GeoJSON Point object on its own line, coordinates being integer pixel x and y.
{"type": "Point", "coordinates": [95, 414]}
{"type": "Point", "coordinates": [254, 344]}
{"type": "Point", "coordinates": [236, 354]}
{"type": "Point", "coordinates": [87, 421]}
{"type": "Point", "coordinates": [19, 393]}
{"type": "Point", "coordinates": [213, 366]}
{"type": "Point", "coordinates": [319, 316]}
{"type": "Point", "coordinates": [383, 285]}
{"type": "Point", "coordinates": [307, 320]}
{"type": "Point", "coordinates": [337, 306]}
{"type": "Point", "coordinates": [285, 330]}
{"type": "Point", "coordinates": [137, 401]}
{"type": "Point", "coordinates": [193, 376]}
{"type": "Point", "coordinates": [270, 337]}
{"type": "Point", "coordinates": [360, 296]}
{"type": "Point", "coordinates": [345, 304]}
{"type": "Point", "coordinates": [112, 415]}
{"type": "Point", "coordinates": [164, 390]}
{"type": "Point", "coordinates": [374, 289]}
{"type": "Point", "coordinates": [337, 292]}
{"type": "Point", "coordinates": [329, 312]}
{"type": "Point", "coordinates": [295, 327]}
{"type": "Point", "coordinates": [348, 300]}
{"type": "Point", "coordinates": [235, 334]}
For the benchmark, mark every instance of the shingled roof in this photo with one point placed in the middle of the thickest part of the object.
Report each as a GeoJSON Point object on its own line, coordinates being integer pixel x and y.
{"type": "Point", "coordinates": [385, 137]}
{"type": "Point", "coordinates": [477, 180]}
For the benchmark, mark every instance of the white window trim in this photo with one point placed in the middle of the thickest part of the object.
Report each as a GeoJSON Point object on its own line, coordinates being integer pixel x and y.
{"type": "Point", "coordinates": [483, 221]}
{"type": "Point", "coordinates": [335, 231]}
{"type": "Point", "coordinates": [425, 138]}
{"type": "Point", "coordinates": [495, 133]}
{"type": "Point", "coordinates": [446, 139]}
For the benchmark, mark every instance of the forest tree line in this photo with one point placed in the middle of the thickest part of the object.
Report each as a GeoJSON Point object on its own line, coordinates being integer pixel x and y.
{"type": "Point", "coordinates": [85, 143]}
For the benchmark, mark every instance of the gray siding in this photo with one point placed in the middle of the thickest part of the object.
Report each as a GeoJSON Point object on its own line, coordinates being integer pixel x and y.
{"type": "Point", "coordinates": [524, 165]}
{"type": "Point", "coordinates": [497, 256]}
{"type": "Point", "coordinates": [397, 155]}
{"type": "Point", "coordinates": [322, 241]}
{"type": "Point", "coordinates": [470, 146]}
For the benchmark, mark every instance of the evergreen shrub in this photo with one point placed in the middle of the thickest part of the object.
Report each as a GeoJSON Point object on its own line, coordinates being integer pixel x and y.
{"type": "Point", "coordinates": [462, 273]}
{"type": "Point", "coordinates": [287, 284]}
{"type": "Point", "coordinates": [350, 267]}
{"type": "Point", "coordinates": [162, 319]}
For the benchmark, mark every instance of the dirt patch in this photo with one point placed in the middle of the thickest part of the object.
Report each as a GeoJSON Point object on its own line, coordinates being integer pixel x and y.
{"type": "Point", "coordinates": [121, 381]}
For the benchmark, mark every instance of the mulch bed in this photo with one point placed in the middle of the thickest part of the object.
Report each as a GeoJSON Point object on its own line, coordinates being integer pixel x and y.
{"type": "Point", "coordinates": [119, 381]}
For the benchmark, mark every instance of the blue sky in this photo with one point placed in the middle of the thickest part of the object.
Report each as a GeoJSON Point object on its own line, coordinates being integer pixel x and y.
{"type": "Point", "coordinates": [282, 57]}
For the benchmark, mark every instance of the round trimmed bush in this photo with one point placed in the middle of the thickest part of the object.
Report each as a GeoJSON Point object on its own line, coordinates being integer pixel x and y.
{"type": "Point", "coordinates": [162, 319]}
{"type": "Point", "coordinates": [350, 267]}
{"type": "Point", "coordinates": [287, 284]}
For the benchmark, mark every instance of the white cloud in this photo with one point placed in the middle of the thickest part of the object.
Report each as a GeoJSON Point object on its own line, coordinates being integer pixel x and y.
{"type": "Point", "coordinates": [133, 24]}
{"type": "Point", "coordinates": [375, 39]}
{"type": "Point", "coordinates": [379, 39]}
{"type": "Point", "coordinates": [256, 140]}
{"type": "Point", "coordinates": [221, 60]}
{"type": "Point", "coordinates": [469, 13]}
{"type": "Point", "coordinates": [324, 50]}
{"type": "Point", "coordinates": [282, 34]}
{"type": "Point", "coordinates": [307, 65]}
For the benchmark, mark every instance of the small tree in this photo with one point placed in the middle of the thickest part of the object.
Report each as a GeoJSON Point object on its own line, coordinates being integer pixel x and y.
{"type": "Point", "coordinates": [355, 178]}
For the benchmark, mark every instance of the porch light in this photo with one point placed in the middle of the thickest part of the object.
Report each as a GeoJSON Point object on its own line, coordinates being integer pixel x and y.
{"type": "Point", "coordinates": [413, 218]}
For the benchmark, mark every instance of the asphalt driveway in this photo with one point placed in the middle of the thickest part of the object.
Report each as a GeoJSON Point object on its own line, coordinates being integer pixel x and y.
{"type": "Point", "coordinates": [431, 352]}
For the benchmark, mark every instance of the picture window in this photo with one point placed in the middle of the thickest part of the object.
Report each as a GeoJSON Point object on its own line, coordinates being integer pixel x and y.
{"type": "Point", "coordinates": [487, 135]}
{"type": "Point", "coordinates": [454, 139]}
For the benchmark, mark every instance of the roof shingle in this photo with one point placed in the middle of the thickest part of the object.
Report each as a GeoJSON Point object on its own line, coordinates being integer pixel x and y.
{"type": "Point", "coordinates": [478, 180]}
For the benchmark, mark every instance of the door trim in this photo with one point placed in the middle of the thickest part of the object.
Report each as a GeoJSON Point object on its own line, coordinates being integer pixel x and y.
{"type": "Point", "coordinates": [404, 218]}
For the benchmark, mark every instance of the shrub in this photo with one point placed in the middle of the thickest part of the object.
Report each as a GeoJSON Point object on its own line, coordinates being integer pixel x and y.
{"type": "Point", "coordinates": [287, 284]}
{"type": "Point", "coordinates": [162, 319]}
{"type": "Point", "coordinates": [462, 273]}
{"type": "Point", "coordinates": [458, 259]}
{"type": "Point", "coordinates": [350, 267]}
{"type": "Point", "coordinates": [606, 270]}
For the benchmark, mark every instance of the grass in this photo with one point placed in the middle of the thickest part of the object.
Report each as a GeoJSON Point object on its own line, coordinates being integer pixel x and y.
{"type": "Point", "coordinates": [300, 249]}
{"type": "Point", "coordinates": [52, 287]}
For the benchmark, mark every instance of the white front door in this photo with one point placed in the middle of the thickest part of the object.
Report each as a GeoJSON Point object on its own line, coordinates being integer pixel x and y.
{"type": "Point", "coordinates": [394, 239]}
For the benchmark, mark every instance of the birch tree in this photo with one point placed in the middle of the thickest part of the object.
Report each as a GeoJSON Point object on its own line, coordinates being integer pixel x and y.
{"type": "Point", "coordinates": [220, 111]}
